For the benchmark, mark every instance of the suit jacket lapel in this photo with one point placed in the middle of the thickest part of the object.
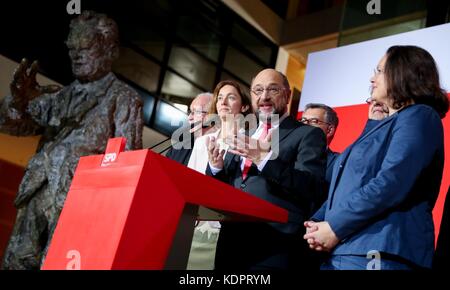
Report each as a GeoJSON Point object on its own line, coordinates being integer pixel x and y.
{"type": "Point", "coordinates": [344, 156]}
{"type": "Point", "coordinates": [379, 125]}
{"type": "Point", "coordinates": [331, 156]}
{"type": "Point", "coordinates": [286, 127]}
{"type": "Point", "coordinates": [335, 177]}
{"type": "Point", "coordinates": [229, 158]}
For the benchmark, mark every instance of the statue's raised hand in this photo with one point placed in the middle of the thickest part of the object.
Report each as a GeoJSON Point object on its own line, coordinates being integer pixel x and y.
{"type": "Point", "coordinates": [24, 86]}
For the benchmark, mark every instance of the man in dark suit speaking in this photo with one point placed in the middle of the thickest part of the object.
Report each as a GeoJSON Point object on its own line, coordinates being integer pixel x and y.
{"type": "Point", "coordinates": [289, 173]}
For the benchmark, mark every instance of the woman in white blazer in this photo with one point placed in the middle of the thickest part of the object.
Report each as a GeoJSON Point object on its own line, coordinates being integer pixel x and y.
{"type": "Point", "coordinates": [230, 103]}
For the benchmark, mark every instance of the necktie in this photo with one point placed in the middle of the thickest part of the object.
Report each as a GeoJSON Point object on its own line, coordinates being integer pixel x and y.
{"type": "Point", "coordinates": [248, 162]}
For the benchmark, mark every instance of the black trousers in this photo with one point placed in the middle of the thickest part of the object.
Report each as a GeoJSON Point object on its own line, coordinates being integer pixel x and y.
{"type": "Point", "coordinates": [259, 246]}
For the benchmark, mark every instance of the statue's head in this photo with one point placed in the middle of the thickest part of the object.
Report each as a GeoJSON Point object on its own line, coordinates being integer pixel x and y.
{"type": "Point", "coordinates": [93, 44]}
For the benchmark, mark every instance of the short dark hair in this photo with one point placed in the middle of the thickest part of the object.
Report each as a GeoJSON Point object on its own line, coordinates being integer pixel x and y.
{"type": "Point", "coordinates": [411, 74]}
{"type": "Point", "coordinates": [331, 116]}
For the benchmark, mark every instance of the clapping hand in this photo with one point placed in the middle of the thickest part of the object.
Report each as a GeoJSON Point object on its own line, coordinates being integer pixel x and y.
{"type": "Point", "coordinates": [215, 154]}
{"type": "Point", "coordinates": [253, 149]}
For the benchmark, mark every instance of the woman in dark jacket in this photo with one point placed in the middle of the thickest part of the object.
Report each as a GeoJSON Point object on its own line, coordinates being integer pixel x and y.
{"type": "Point", "coordinates": [384, 186]}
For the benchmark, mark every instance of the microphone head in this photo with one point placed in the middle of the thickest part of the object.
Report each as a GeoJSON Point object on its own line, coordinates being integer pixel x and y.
{"type": "Point", "coordinates": [195, 127]}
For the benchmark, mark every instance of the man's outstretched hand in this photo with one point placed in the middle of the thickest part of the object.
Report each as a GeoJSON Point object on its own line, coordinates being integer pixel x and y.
{"type": "Point", "coordinates": [24, 86]}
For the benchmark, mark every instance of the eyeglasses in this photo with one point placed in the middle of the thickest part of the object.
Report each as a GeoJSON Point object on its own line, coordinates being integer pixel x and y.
{"type": "Point", "coordinates": [197, 112]}
{"type": "Point", "coordinates": [272, 91]}
{"type": "Point", "coordinates": [312, 121]}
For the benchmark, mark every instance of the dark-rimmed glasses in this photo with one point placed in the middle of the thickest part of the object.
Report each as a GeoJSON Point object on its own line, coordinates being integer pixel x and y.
{"type": "Point", "coordinates": [312, 121]}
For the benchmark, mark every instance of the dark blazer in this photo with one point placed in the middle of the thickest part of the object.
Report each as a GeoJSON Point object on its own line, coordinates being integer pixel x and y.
{"type": "Point", "coordinates": [370, 125]}
{"type": "Point", "coordinates": [182, 155]}
{"type": "Point", "coordinates": [331, 158]}
{"type": "Point", "coordinates": [384, 187]}
{"type": "Point", "coordinates": [294, 181]}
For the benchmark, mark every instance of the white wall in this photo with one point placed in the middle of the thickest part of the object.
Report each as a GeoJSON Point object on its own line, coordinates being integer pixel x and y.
{"type": "Point", "coordinates": [340, 76]}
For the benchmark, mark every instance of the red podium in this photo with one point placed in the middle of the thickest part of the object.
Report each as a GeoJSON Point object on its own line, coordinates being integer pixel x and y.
{"type": "Point", "coordinates": [137, 210]}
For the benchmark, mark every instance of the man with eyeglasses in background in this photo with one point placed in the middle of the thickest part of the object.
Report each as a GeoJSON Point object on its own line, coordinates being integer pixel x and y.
{"type": "Point", "coordinates": [325, 118]}
{"type": "Point", "coordinates": [198, 111]}
{"type": "Point", "coordinates": [289, 174]}
{"type": "Point", "coordinates": [377, 112]}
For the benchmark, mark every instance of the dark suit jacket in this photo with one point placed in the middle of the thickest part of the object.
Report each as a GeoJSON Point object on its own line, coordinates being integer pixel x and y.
{"type": "Point", "coordinates": [385, 185]}
{"type": "Point", "coordinates": [182, 155]}
{"type": "Point", "coordinates": [331, 158]}
{"type": "Point", "coordinates": [294, 181]}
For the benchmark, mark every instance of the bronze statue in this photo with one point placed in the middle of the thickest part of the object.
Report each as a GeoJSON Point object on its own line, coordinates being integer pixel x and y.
{"type": "Point", "coordinates": [76, 120]}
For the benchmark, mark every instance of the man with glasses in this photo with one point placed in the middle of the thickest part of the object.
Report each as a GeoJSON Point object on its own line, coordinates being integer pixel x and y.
{"type": "Point", "coordinates": [377, 111]}
{"type": "Point", "coordinates": [325, 118]}
{"type": "Point", "coordinates": [289, 173]}
{"type": "Point", "coordinates": [198, 111]}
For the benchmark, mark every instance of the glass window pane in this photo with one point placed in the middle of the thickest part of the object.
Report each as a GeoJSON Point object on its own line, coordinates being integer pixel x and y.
{"type": "Point", "coordinates": [241, 65]}
{"type": "Point", "coordinates": [144, 23]}
{"type": "Point", "coordinates": [192, 66]}
{"type": "Point", "coordinates": [149, 104]}
{"type": "Point", "coordinates": [356, 12]}
{"type": "Point", "coordinates": [165, 116]}
{"type": "Point", "coordinates": [226, 76]}
{"type": "Point", "coordinates": [199, 36]}
{"type": "Point", "coordinates": [148, 40]}
{"type": "Point", "coordinates": [176, 86]}
{"type": "Point", "coordinates": [252, 43]}
{"type": "Point", "coordinates": [137, 69]}
{"type": "Point", "coordinates": [155, 48]}
{"type": "Point", "coordinates": [355, 36]}
{"type": "Point", "coordinates": [397, 17]}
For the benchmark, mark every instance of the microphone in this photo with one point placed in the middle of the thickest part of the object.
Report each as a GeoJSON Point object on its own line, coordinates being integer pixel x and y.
{"type": "Point", "coordinates": [190, 127]}
{"type": "Point", "coordinates": [194, 128]}
{"type": "Point", "coordinates": [156, 145]}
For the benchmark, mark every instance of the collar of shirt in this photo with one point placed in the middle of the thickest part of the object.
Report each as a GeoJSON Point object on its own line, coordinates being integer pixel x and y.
{"type": "Point", "coordinates": [273, 125]}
